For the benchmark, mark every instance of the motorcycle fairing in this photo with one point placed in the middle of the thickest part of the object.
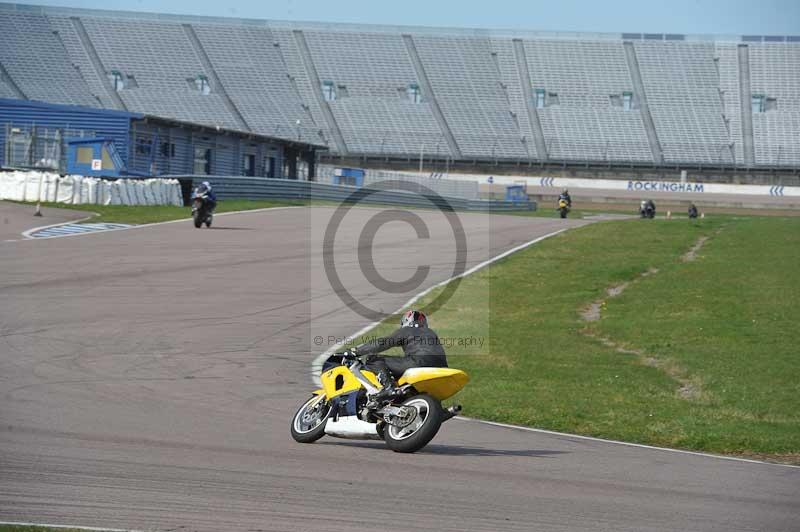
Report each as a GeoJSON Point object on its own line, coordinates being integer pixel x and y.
{"type": "Point", "coordinates": [340, 380]}
{"type": "Point", "coordinates": [441, 383]}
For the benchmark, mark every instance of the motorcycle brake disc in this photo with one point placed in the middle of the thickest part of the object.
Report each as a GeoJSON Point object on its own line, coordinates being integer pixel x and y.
{"type": "Point", "coordinates": [406, 416]}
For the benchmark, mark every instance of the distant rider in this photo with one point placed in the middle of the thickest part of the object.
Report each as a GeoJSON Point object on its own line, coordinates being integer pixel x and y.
{"type": "Point", "coordinates": [566, 197]}
{"type": "Point", "coordinates": [421, 348]}
{"type": "Point", "coordinates": [692, 211]}
{"type": "Point", "coordinates": [211, 196]}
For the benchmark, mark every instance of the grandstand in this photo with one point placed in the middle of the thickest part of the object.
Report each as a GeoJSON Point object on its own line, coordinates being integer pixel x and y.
{"type": "Point", "coordinates": [388, 94]}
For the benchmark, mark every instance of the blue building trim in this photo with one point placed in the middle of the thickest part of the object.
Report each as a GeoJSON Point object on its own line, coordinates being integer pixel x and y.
{"type": "Point", "coordinates": [151, 146]}
{"type": "Point", "coordinates": [26, 114]}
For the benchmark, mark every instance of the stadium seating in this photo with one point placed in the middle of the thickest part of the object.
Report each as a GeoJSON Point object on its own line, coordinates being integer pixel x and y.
{"type": "Point", "coordinates": [36, 60]}
{"type": "Point", "coordinates": [584, 124]}
{"type": "Point", "coordinates": [402, 91]}
{"type": "Point", "coordinates": [775, 73]}
{"type": "Point", "coordinates": [682, 88]}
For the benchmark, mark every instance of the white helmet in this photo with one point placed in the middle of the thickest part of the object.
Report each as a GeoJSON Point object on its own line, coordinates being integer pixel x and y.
{"type": "Point", "coordinates": [413, 318]}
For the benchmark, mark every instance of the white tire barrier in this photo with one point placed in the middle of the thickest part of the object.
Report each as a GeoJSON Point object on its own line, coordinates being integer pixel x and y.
{"type": "Point", "coordinates": [79, 190]}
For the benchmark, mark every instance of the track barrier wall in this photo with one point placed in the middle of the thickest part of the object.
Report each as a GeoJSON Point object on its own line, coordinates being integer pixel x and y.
{"type": "Point", "coordinates": [260, 188]}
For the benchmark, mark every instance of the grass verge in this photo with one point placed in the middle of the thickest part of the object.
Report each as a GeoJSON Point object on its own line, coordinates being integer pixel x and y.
{"type": "Point", "coordinates": [700, 355]}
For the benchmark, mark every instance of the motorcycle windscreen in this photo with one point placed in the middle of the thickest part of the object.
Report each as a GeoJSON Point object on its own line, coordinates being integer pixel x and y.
{"type": "Point", "coordinates": [441, 383]}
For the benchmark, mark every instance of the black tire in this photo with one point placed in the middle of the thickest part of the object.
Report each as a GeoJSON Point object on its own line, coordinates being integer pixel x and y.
{"type": "Point", "coordinates": [426, 406]}
{"type": "Point", "coordinates": [314, 430]}
{"type": "Point", "coordinates": [563, 213]}
{"type": "Point", "coordinates": [198, 221]}
{"type": "Point", "coordinates": [208, 221]}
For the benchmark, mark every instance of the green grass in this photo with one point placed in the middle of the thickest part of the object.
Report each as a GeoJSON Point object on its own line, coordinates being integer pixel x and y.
{"type": "Point", "coordinates": [144, 214]}
{"type": "Point", "coordinates": [724, 324]}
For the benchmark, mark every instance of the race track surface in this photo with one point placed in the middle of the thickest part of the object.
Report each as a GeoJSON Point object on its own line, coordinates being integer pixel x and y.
{"type": "Point", "coordinates": [148, 376]}
{"type": "Point", "coordinates": [16, 218]}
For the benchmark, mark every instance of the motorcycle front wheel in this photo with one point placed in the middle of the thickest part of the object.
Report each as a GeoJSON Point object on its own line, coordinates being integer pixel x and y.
{"type": "Point", "coordinates": [420, 431]}
{"type": "Point", "coordinates": [308, 424]}
{"type": "Point", "coordinates": [198, 220]}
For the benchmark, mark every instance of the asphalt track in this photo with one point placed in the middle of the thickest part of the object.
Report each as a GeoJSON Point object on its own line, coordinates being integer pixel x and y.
{"type": "Point", "coordinates": [147, 378]}
{"type": "Point", "coordinates": [16, 218]}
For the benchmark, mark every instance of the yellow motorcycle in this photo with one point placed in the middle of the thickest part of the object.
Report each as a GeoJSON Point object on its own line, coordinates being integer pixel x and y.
{"type": "Point", "coordinates": [407, 423]}
{"type": "Point", "coordinates": [563, 207]}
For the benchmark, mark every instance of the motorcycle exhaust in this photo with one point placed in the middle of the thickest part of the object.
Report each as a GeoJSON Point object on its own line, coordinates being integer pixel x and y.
{"type": "Point", "coordinates": [451, 412]}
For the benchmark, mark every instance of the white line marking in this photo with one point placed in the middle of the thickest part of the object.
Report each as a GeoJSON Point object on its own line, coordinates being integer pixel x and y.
{"type": "Point", "coordinates": [316, 365]}
{"type": "Point", "coordinates": [27, 234]}
{"type": "Point", "coordinates": [617, 442]}
{"type": "Point", "coordinates": [94, 528]}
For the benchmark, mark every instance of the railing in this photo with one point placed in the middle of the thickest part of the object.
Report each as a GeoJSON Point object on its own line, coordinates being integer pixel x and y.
{"type": "Point", "coordinates": [386, 193]}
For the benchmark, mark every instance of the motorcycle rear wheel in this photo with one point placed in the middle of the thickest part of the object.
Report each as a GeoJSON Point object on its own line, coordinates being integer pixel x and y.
{"type": "Point", "coordinates": [421, 431]}
{"type": "Point", "coordinates": [308, 424]}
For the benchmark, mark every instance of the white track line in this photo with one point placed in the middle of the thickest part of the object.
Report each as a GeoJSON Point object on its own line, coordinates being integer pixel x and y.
{"type": "Point", "coordinates": [617, 442]}
{"type": "Point", "coordinates": [27, 234]}
{"type": "Point", "coordinates": [316, 365]}
{"type": "Point", "coordinates": [93, 528]}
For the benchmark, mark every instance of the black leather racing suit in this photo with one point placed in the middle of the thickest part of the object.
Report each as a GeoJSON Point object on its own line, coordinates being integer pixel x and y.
{"type": "Point", "coordinates": [421, 348]}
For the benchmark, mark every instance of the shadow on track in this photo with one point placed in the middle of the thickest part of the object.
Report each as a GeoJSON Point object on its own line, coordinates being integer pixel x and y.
{"type": "Point", "coordinates": [224, 228]}
{"type": "Point", "coordinates": [453, 450]}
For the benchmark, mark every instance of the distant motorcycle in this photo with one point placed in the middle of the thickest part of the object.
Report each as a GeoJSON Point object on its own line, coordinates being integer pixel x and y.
{"type": "Point", "coordinates": [201, 209]}
{"type": "Point", "coordinates": [563, 208]}
{"type": "Point", "coordinates": [647, 209]}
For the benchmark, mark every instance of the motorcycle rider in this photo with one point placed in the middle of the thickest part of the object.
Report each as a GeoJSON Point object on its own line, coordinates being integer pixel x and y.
{"type": "Point", "coordinates": [692, 211]}
{"type": "Point", "coordinates": [211, 196]}
{"type": "Point", "coordinates": [566, 197]}
{"type": "Point", "coordinates": [421, 348]}
{"type": "Point", "coordinates": [646, 207]}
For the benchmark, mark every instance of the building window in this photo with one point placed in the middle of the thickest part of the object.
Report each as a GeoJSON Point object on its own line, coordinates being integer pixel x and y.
{"type": "Point", "coordinates": [202, 161]}
{"type": "Point", "coordinates": [627, 101]}
{"type": "Point", "coordinates": [538, 98]}
{"type": "Point", "coordinates": [414, 93]}
{"type": "Point", "coordinates": [249, 165]}
{"type": "Point", "coordinates": [328, 91]}
{"type": "Point", "coordinates": [85, 154]}
{"type": "Point", "coordinates": [201, 83]}
{"type": "Point", "coordinates": [758, 103]}
{"type": "Point", "coordinates": [168, 149]}
{"type": "Point", "coordinates": [108, 161]}
{"type": "Point", "coordinates": [770, 104]}
{"type": "Point", "coordinates": [269, 165]}
{"type": "Point", "coordinates": [117, 80]}
{"type": "Point", "coordinates": [552, 98]}
{"type": "Point", "coordinates": [143, 146]}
